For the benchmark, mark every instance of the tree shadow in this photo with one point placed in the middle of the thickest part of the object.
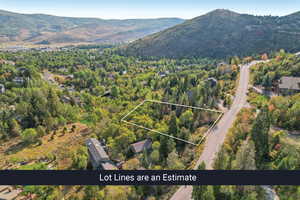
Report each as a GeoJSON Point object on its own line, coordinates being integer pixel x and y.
{"type": "Point", "coordinates": [15, 148]}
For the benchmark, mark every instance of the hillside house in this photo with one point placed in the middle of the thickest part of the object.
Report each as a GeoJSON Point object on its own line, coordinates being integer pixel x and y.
{"type": "Point", "coordinates": [141, 146]}
{"type": "Point", "coordinates": [289, 85]}
{"type": "Point", "coordinates": [98, 156]}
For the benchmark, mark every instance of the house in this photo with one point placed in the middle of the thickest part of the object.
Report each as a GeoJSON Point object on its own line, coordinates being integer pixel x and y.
{"type": "Point", "coordinates": [71, 89]}
{"type": "Point", "coordinates": [111, 76]}
{"type": "Point", "coordinates": [289, 85]}
{"type": "Point", "coordinates": [106, 94]}
{"type": "Point", "coordinates": [123, 72]}
{"type": "Point", "coordinates": [66, 99]}
{"type": "Point", "coordinates": [212, 81]}
{"type": "Point", "coordinates": [141, 146]}
{"type": "Point", "coordinates": [70, 77]}
{"type": "Point", "coordinates": [2, 88]}
{"type": "Point", "coordinates": [98, 156]}
{"type": "Point", "coordinates": [263, 91]}
{"type": "Point", "coordinates": [18, 80]}
{"type": "Point", "coordinates": [221, 64]}
{"type": "Point", "coordinates": [108, 166]}
{"type": "Point", "coordinates": [7, 62]}
{"type": "Point", "coordinates": [162, 74]}
{"type": "Point", "coordinates": [8, 193]}
{"type": "Point", "coordinates": [22, 70]}
{"type": "Point", "coordinates": [77, 101]}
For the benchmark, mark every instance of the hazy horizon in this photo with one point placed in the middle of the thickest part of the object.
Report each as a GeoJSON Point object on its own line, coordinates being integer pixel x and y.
{"type": "Point", "coordinates": [123, 9]}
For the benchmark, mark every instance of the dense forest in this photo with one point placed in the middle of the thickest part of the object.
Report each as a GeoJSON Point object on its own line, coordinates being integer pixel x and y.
{"type": "Point", "coordinates": [51, 102]}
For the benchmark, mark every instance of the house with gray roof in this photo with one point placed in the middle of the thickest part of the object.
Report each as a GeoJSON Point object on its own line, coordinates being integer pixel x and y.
{"type": "Point", "coordinates": [8, 192]}
{"type": "Point", "coordinates": [221, 64]}
{"type": "Point", "coordinates": [289, 85]}
{"type": "Point", "coordinates": [141, 146]}
{"type": "Point", "coordinates": [98, 156]}
{"type": "Point", "coordinates": [212, 81]}
{"type": "Point", "coordinates": [18, 80]}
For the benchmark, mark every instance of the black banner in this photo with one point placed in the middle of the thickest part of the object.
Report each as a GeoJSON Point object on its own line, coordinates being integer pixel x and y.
{"type": "Point", "coordinates": [149, 177]}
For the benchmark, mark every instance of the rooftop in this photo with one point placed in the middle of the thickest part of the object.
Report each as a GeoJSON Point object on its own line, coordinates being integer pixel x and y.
{"type": "Point", "coordinates": [140, 146]}
{"type": "Point", "coordinates": [8, 193]}
{"type": "Point", "coordinates": [289, 82]}
{"type": "Point", "coordinates": [96, 150]}
{"type": "Point", "coordinates": [108, 166]}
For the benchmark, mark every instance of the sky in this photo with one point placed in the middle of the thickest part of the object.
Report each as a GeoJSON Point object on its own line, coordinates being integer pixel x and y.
{"type": "Point", "coordinates": [128, 9]}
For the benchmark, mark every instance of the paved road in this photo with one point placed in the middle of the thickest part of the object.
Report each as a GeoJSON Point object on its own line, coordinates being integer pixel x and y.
{"type": "Point", "coordinates": [216, 138]}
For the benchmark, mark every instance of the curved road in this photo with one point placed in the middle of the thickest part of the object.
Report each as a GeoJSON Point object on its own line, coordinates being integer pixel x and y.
{"type": "Point", "coordinates": [216, 137]}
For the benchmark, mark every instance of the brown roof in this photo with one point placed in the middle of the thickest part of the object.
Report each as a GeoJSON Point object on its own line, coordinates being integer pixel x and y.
{"type": "Point", "coordinates": [289, 82]}
{"type": "Point", "coordinates": [108, 166]}
{"type": "Point", "coordinates": [141, 146]}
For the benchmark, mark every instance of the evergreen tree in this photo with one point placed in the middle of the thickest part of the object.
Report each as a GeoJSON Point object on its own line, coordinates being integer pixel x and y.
{"type": "Point", "coordinates": [167, 145]}
{"type": "Point", "coordinates": [114, 92]}
{"type": "Point", "coordinates": [222, 160]}
{"type": "Point", "coordinates": [260, 136]}
{"type": "Point", "coordinates": [173, 127]}
{"type": "Point", "coordinates": [209, 193]}
{"type": "Point", "coordinates": [245, 157]}
{"type": "Point", "coordinates": [14, 127]}
{"type": "Point", "coordinates": [202, 192]}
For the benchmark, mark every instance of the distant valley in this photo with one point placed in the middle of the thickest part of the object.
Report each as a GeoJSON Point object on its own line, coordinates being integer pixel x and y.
{"type": "Point", "coordinates": [48, 29]}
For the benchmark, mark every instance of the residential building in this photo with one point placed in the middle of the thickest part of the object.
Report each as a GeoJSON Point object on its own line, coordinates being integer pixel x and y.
{"type": "Point", "coordinates": [221, 64]}
{"type": "Point", "coordinates": [8, 192]}
{"type": "Point", "coordinates": [289, 85]}
{"type": "Point", "coordinates": [212, 81]}
{"type": "Point", "coordinates": [141, 146]}
{"type": "Point", "coordinates": [98, 156]}
{"type": "Point", "coordinates": [18, 80]}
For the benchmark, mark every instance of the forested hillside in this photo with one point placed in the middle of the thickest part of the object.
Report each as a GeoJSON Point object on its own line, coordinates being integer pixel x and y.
{"type": "Point", "coordinates": [219, 34]}
{"type": "Point", "coordinates": [48, 29]}
{"type": "Point", "coordinates": [51, 102]}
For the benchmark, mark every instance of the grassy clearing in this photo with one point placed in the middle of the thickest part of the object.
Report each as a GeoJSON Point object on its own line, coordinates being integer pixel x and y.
{"type": "Point", "coordinates": [57, 146]}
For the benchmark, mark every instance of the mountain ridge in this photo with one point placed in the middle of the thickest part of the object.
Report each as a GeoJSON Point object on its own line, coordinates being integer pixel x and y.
{"type": "Point", "coordinates": [34, 28]}
{"type": "Point", "coordinates": [221, 33]}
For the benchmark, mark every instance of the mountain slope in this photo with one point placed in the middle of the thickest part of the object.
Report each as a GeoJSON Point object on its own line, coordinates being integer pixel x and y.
{"type": "Point", "coordinates": [35, 28]}
{"type": "Point", "coordinates": [221, 33]}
